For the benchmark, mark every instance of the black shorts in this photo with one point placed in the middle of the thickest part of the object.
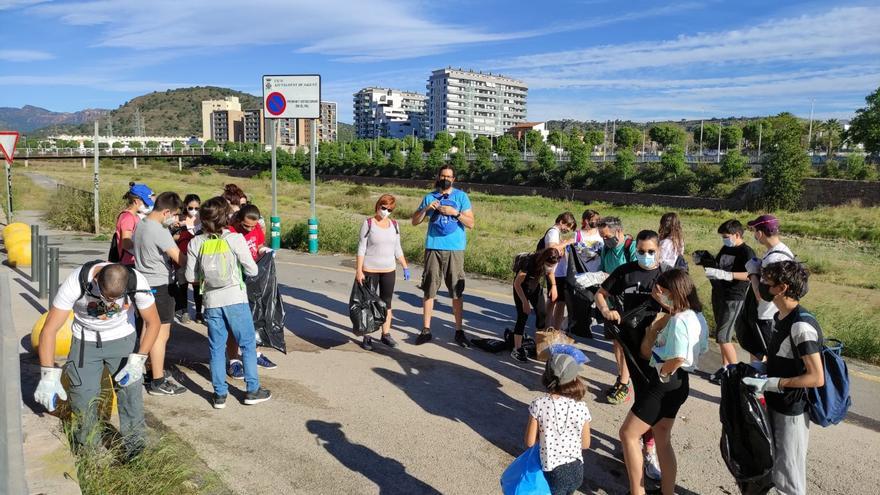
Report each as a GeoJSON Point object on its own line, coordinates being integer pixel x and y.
{"type": "Point", "coordinates": [655, 401]}
{"type": "Point", "coordinates": [382, 284]}
{"type": "Point", "coordinates": [561, 289]}
{"type": "Point", "coordinates": [164, 304]}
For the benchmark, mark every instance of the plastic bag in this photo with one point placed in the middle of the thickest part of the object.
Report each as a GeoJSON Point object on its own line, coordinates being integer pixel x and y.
{"type": "Point", "coordinates": [746, 437]}
{"type": "Point", "coordinates": [366, 310]}
{"type": "Point", "coordinates": [574, 352]}
{"type": "Point", "coordinates": [267, 308]}
{"type": "Point", "coordinates": [525, 476]}
{"type": "Point", "coordinates": [546, 338]}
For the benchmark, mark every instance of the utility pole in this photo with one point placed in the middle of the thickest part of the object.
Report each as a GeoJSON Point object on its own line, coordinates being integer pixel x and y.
{"type": "Point", "coordinates": [313, 218]}
{"type": "Point", "coordinates": [701, 140]}
{"type": "Point", "coordinates": [97, 181]}
{"type": "Point", "coordinates": [613, 136]}
{"type": "Point", "coordinates": [718, 153]}
{"type": "Point", "coordinates": [810, 131]}
{"type": "Point", "coordinates": [644, 139]}
{"type": "Point", "coordinates": [604, 140]}
{"type": "Point", "coordinates": [760, 129]}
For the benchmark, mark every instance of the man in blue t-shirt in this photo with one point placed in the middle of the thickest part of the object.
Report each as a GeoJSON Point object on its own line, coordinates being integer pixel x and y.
{"type": "Point", "coordinates": [448, 212]}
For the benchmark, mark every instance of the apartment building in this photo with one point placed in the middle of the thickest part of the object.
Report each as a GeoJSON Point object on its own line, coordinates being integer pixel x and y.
{"type": "Point", "coordinates": [481, 104]}
{"type": "Point", "coordinates": [226, 126]}
{"type": "Point", "coordinates": [230, 103]}
{"type": "Point", "coordinates": [391, 113]}
{"type": "Point", "coordinates": [254, 126]}
{"type": "Point", "coordinates": [294, 133]}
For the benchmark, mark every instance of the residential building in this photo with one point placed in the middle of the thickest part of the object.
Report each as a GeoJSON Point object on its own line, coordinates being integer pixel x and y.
{"type": "Point", "coordinates": [254, 129]}
{"type": "Point", "coordinates": [226, 126]}
{"type": "Point", "coordinates": [391, 113]}
{"type": "Point", "coordinates": [210, 106]}
{"type": "Point", "coordinates": [480, 104]}
{"type": "Point", "coordinates": [294, 133]}
{"type": "Point", "coordinates": [519, 130]}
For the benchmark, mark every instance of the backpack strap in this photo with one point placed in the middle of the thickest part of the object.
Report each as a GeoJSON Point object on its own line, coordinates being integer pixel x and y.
{"type": "Point", "coordinates": [577, 236]}
{"type": "Point", "coordinates": [396, 228]}
{"type": "Point", "coordinates": [84, 279]}
{"type": "Point", "coordinates": [626, 245]}
{"type": "Point", "coordinates": [369, 227]}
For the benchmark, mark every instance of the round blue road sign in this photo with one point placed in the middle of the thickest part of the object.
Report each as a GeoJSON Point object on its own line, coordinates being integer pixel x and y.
{"type": "Point", "coordinates": [276, 103]}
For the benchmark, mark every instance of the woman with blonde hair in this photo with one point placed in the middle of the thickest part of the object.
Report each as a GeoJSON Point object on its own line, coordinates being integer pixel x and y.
{"type": "Point", "coordinates": [378, 248]}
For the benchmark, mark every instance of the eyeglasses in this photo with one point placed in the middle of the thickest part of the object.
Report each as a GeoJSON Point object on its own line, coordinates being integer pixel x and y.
{"type": "Point", "coordinates": [385, 208]}
{"type": "Point", "coordinates": [649, 251]}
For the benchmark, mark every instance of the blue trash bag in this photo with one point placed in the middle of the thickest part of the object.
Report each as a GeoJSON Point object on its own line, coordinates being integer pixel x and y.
{"type": "Point", "coordinates": [524, 476]}
{"type": "Point", "coordinates": [571, 350]}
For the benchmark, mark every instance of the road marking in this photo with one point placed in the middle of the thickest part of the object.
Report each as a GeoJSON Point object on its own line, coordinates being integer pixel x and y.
{"type": "Point", "coordinates": [496, 295]}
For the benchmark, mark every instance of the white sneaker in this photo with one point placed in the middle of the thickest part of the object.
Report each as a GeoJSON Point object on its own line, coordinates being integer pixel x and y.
{"type": "Point", "coordinates": [652, 466]}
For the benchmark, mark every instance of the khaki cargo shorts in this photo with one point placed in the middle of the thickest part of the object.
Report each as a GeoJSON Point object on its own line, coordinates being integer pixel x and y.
{"type": "Point", "coordinates": [442, 266]}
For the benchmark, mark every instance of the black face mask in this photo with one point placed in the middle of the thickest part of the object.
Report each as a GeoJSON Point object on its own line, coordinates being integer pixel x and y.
{"type": "Point", "coordinates": [612, 243]}
{"type": "Point", "coordinates": [593, 224]}
{"type": "Point", "coordinates": [764, 291]}
{"type": "Point", "coordinates": [443, 184]}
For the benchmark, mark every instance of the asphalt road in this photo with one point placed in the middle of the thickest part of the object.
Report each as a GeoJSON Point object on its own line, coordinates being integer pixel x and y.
{"type": "Point", "coordinates": [429, 419]}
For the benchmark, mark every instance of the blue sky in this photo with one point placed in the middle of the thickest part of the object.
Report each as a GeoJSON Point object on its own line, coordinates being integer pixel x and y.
{"type": "Point", "coordinates": [582, 59]}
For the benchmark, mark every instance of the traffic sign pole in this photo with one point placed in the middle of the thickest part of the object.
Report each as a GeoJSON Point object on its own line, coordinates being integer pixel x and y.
{"type": "Point", "coordinates": [8, 141]}
{"type": "Point", "coordinates": [8, 193]}
{"type": "Point", "coordinates": [313, 219]}
{"type": "Point", "coordinates": [275, 220]}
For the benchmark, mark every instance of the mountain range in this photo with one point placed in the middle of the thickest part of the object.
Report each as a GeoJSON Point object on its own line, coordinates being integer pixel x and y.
{"type": "Point", "coordinates": [29, 117]}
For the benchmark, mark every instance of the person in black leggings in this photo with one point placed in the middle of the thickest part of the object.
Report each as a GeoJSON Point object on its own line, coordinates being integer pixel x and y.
{"type": "Point", "coordinates": [528, 294]}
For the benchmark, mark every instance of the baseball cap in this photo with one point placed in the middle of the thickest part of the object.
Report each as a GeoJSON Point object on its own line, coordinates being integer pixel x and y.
{"type": "Point", "coordinates": [143, 192]}
{"type": "Point", "coordinates": [562, 368]}
{"type": "Point", "coordinates": [766, 222]}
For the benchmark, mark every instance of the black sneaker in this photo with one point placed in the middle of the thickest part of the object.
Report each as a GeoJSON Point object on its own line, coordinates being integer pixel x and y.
{"type": "Point", "coordinates": [257, 396]}
{"type": "Point", "coordinates": [199, 318]}
{"type": "Point", "coordinates": [424, 337]}
{"type": "Point", "coordinates": [519, 355]}
{"type": "Point", "coordinates": [219, 401]}
{"type": "Point", "coordinates": [367, 343]}
{"type": "Point", "coordinates": [388, 340]}
{"type": "Point", "coordinates": [163, 386]}
{"type": "Point", "coordinates": [461, 339]}
{"type": "Point", "coordinates": [716, 377]}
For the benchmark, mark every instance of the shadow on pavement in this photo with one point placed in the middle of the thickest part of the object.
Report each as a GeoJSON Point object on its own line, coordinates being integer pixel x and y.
{"type": "Point", "coordinates": [387, 473]}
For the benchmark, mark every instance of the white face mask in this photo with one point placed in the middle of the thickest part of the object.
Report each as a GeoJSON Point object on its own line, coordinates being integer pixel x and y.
{"type": "Point", "coordinates": [144, 209]}
{"type": "Point", "coordinates": [168, 222]}
{"type": "Point", "coordinates": [193, 213]}
{"type": "Point", "coordinates": [384, 213]}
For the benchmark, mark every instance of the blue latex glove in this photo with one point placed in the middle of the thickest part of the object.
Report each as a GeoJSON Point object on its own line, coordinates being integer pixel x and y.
{"type": "Point", "coordinates": [762, 385]}
{"type": "Point", "coordinates": [406, 274]}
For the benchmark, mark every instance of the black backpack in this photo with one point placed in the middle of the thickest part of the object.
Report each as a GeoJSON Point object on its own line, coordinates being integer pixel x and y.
{"type": "Point", "coordinates": [131, 284]}
{"type": "Point", "coordinates": [520, 261]}
{"type": "Point", "coordinates": [113, 254]}
{"type": "Point", "coordinates": [541, 243]}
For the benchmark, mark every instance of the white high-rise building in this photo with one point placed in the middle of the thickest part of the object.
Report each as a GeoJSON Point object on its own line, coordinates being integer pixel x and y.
{"type": "Point", "coordinates": [480, 104]}
{"type": "Point", "coordinates": [384, 112]}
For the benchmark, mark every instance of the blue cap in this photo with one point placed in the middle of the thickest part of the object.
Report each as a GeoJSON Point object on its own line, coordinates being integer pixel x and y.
{"type": "Point", "coordinates": [143, 192]}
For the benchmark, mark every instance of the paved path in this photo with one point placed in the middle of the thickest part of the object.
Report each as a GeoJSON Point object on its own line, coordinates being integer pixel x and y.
{"type": "Point", "coordinates": [427, 419]}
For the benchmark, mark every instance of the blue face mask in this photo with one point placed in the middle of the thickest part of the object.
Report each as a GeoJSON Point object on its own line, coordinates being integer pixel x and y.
{"type": "Point", "coordinates": [645, 260]}
{"type": "Point", "coordinates": [727, 241]}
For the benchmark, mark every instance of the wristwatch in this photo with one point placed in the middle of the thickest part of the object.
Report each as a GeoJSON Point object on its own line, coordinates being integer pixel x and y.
{"type": "Point", "coordinates": [457, 216]}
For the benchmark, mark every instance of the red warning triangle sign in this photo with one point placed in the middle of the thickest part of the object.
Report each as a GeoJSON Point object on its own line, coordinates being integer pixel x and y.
{"type": "Point", "coordinates": [8, 140]}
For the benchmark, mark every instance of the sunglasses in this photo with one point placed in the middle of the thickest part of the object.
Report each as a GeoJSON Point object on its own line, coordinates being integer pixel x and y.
{"type": "Point", "coordinates": [193, 209]}
{"type": "Point", "coordinates": [385, 208]}
{"type": "Point", "coordinates": [649, 251]}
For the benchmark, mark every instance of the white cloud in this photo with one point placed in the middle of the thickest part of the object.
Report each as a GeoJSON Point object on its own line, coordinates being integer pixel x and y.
{"type": "Point", "coordinates": [24, 55]}
{"type": "Point", "coordinates": [15, 4]}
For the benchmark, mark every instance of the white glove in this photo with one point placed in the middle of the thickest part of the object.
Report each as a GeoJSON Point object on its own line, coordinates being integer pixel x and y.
{"type": "Point", "coordinates": [762, 385]}
{"type": "Point", "coordinates": [266, 250]}
{"type": "Point", "coordinates": [49, 387]}
{"type": "Point", "coordinates": [133, 370]}
{"type": "Point", "coordinates": [716, 274]}
{"type": "Point", "coordinates": [753, 266]}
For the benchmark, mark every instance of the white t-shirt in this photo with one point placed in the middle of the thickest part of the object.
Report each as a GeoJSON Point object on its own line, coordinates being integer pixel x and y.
{"type": "Point", "coordinates": [114, 327]}
{"type": "Point", "coordinates": [668, 254]}
{"type": "Point", "coordinates": [554, 236]}
{"type": "Point", "coordinates": [560, 426]}
{"type": "Point", "coordinates": [777, 253]}
{"type": "Point", "coordinates": [594, 242]}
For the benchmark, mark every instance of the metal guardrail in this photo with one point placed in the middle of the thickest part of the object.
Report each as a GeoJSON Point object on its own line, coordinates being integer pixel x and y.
{"type": "Point", "coordinates": [12, 469]}
{"type": "Point", "coordinates": [66, 191]}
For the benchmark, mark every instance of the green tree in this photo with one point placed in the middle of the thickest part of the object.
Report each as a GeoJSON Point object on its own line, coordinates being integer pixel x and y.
{"type": "Point", "coordinates": [483, 165]}
{"type": "Point", "coordinates": [625, 164]}
{"type": "Point", "coordinates": [463, 142]}
{"type": "Point", "coordinates": [506, 143]}
{"type": "Point", "coordinates": [628, 138]}
{"type": "Point", "coordinates": [709, 134]}
{"type": "Point", "coordinates": [864, 128]}
{"type": "Point", "coordinates": [397, 162]}
{"type": "Point", "coordinates": [512, 163]}
{"type": "Point", "coordinates": [785, 165]}
{"type": "Point", "coordinates": [461, 165]}
{"type": "Point", "coordinates": [118, 145]}
{"type": "Point", "coordinates": [558, 139]}
{"type": "Point", "coordinates": [415, 165]}
{"type": "Point", "coordinates": [731, 136]}
{"type": "Point", "coordinates": [667, 135]}
{"type": "Point", "coordinates": [379, 160]}
{"type": "Point", "coordinates": [673, 161]}
{"type": "Point", "coordinates": [177, 144]}
{"type": "Point", "coordinates": [88, 144]}
{"type": "Point", "coordinates": [831, 169]}
{"type": "Point", "coordinates": [300, 158]}
{"type": "Point", "coordinates": [828, 136]}
{"type": "Point", "coordinates": [580, 167]}
{"type": "Point", "coordinates": [754, 131]}
{"type": "Point", "coordinates": [436, 159]}
{"type": "Point", "coordinates": [136, 145]}
{"type": "Point", "coordinates": [442, 142]}
{"type": "Point", "coordinates": [155, 144]}
{"type": "Point", "coordinates": [482, 143]}
{"type": "Point", "coordinates": [544, 167]}
{"type": "Point", "coordinates": [857, 169]}
{"type": "Point", "coordinates": [734, 166]}
{"type": "Point", "coordinates": [593, 138]}
{"type": "Point", "coordinates": [534, 140]}
{"type": "Point", "coordinates": [575, 137]}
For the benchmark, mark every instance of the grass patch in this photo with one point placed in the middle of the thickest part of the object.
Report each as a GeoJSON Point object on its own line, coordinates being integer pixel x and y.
{"type": "Point", "coordinates": [25, 194]}
{"type": "Point", "coordinates": [840, 245]}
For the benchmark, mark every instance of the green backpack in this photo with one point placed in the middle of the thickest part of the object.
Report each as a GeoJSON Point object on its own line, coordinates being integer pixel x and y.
{"type": "Point", "coordinates": [218, 265]}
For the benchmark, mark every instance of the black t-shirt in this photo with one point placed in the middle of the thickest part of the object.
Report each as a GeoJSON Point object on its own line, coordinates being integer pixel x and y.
{"type": "Point", "coordinates": [733, 259]}
{"type": "Point", "coordinates": [531, 282]}
{"type": "Point", "coordinates": [785, 362]}
{"type": "Point", "coordinates": [630, 285]}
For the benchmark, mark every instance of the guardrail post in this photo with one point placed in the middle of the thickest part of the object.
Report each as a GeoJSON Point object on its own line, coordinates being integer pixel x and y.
{"type": "Point", "coordinates": [84, 162]}
{"type": "Point", "coordinates": [54, 268]}
{"type": "Point", "coordinates": [44, 267]}
{"type": "Point", "coordinates": [12, 468]}
{"type": "Point", "coordinates": [179, 163]}
{"type": "Point", "coordinates": [35, 247]}
{"type": "Point", "coordinates": [135, 162]}
{"type": "Point", "coordinates": [313, 236]}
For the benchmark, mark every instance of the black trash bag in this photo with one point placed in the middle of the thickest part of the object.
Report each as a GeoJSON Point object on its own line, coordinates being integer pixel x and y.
{"type": "Point", "coordinates": [746, 435]}
{"type": "Point", "coordinates": [366, 310]}
{"type": "Point", "coordinates": [748, 333]}
{"type": "Point", "coordinates": [266, 306]}
{"type": "Point", "coordinates": [528, 344]}
{"type": "Point", "coordinates": [631, 331]}
{"type": "Point", "coordinates": [489, 345]}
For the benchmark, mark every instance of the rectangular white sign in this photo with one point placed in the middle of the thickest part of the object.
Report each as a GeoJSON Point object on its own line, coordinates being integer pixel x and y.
{"type": "Point", "coordinates": [292, 96]}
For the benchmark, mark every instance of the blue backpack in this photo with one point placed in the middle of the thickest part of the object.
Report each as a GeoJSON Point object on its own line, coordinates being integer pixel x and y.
{"type": "Point", "coordinates": [829, 403]}
{"type": "Point", "coordinates": [443, 225]}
